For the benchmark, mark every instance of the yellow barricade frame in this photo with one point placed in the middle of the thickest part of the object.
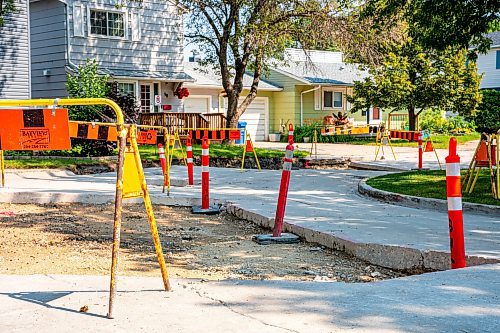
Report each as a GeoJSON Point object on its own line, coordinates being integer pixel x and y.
{"type": "Point", "coordinates": [379, 140]}
{"type": "Point", "coordinates": [248, 138]}
{"type": "Point", "coordinates": [122, 141]}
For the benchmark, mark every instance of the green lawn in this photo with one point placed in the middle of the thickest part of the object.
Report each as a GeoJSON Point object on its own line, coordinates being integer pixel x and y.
{"type": "Point", "coordinates": [147, 153]}
{"type": "Point", "coordinates": [440, 140]}
{"type": "Point", "coordinates": [53, 163]}
{"type": "Point", "coordinates": [432, 184]}
{"type": "Point", "coordinates": [217, 150]}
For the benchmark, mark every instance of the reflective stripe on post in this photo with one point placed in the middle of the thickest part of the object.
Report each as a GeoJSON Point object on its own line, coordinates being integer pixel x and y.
{"type": "Point", "coordinates": [205, 178]}
{"type": "Point", "coordinates": [189, 153]}
{"type": "Point", "coordinates": [454, 198]}
{"type": "Point", "coordinates": [161, 152]}
{"type": "Point", "coordinates": [420, 150]}
{"type": "Point", "coordinates": [290, 134]}
{"type": "Point", "coordinates": [285, 181]}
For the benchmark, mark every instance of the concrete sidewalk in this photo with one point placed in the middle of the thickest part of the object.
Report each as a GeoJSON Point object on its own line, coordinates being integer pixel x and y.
{"type": "Point", "coordinates": [364, 155]}
{"type": "Point", "coordinates": [323, 206]}
{"type": "Point", "coordinates": [465, 300]}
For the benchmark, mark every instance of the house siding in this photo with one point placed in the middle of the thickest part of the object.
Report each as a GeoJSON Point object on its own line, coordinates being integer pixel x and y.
{"type": "Point", "coordinates": [159, 48]}
{"type": "Point", "coordinates": [486, 65]}
{"type": "Point", "coordinates": [14, 54]}
{"type": "Point", "coordinates": [48, 48]}
{"type": "Point", "coordinates": [286, 103]}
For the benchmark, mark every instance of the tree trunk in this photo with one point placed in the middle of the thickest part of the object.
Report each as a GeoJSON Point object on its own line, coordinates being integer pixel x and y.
{"type": "Point", "coordinates": [232, 114]}
{"type": "Point", "coordinates": [412, 118]}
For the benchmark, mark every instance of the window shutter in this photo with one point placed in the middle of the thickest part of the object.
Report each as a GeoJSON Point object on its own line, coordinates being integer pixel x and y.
{"type": "Point", "coordinates": [135, 26]}
{"type": "Point", "coordinates": [78, 20]}
{"type": "Point", "coordinates": [317, 99]}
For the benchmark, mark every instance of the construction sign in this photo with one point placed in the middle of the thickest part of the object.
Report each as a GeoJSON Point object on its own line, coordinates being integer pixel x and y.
{"type": "Point", "coordinates": [34, 129]}
{"type": "Point", "coordinates": [131, 182]}
{"type": "Point", "coordinates": [147, 137]}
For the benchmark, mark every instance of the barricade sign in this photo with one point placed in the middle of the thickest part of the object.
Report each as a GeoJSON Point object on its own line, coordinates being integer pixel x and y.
{"type": "Point", "coordinates": [35, 129]}
{"type": "Point", "coordinates": [147, 137]}
{"type": "Point", "coordinates": [234, 135]}
{"type": "Point", "coordinates": [131, 183]}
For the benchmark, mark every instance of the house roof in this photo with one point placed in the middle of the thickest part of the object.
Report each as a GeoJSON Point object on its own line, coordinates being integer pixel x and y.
{"type": "Point", "coordinates": [120, 73]}
{"type": "Point", "coordinates": [495, 38]}
{"type": "Point", "coordinates": [207, 77]}
{"type": "Point", "coordinates": [319, 73]}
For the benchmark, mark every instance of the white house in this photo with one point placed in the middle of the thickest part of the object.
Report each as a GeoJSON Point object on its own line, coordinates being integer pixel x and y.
{"type": "Point", "coordinates": [489, 64]}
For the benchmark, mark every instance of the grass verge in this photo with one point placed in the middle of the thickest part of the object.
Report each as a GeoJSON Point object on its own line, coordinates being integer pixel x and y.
{"type": "Point", "coordinates": [432, 184]}
{"type": "Point", "coordinates": [147, 153]}
{"type": "Point", "coordinates": [440, 140]}
{"type": "Point", "coordinates": [53, 163]}
{"type": "Point", "coordinates": [217, 150]}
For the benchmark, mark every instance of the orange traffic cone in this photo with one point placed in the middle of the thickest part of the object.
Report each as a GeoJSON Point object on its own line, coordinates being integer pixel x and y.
{"type": "Point", "coordinates": [249, 147]}
{"type": "Point", "coordinates": [428, 147]}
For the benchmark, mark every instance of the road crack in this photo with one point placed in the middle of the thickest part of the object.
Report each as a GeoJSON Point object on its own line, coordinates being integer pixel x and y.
{"type": "Point", "coordinates": [227, 306]}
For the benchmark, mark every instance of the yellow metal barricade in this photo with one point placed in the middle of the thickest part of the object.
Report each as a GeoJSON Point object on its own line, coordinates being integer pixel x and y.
{"type": "Point", "coordinates": [122, 132]}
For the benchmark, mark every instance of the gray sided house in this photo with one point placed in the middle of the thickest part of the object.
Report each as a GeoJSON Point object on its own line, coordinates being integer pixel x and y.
{"type": "Point", "coordinates": [140, 45]}
{"type": "Point", "coordinates": [14, 54]}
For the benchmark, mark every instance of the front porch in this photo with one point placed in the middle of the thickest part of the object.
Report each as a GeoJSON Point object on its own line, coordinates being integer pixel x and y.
{"type": "Point", "coordinates": [183, 122]}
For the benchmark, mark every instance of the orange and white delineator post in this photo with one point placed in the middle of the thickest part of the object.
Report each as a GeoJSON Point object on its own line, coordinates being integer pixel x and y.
{"type": "Point", "coordinates": [205, 182]}
{"type": "Point", "coordinates": [205, 174]}
{"type": "Point", "coordinates": [420, 151]}
{"type": "Point", "coordinates": [454, 198]}
{"type": "Point", "coordinates": [277, 236]}
{"type": "Point", "coordinates": [189, 153]}
{"type": "Point", "coordinates": [163, 161]}
{"type": "Point", "coordinates": [285, 181]}
{"type": "Point", "coordinates": [290, 134]}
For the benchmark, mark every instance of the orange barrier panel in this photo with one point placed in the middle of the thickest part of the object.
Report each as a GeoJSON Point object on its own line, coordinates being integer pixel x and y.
{"type": "Point", "coordinates": [34, 129]}
{"type": "Point", "coordinates": [148, 137]}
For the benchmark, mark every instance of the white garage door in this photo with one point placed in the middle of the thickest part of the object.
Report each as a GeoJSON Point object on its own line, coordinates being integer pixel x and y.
{"type": "Point", "coordinates": [196, 104]}
{"type": "Point", "coordinates": [256, 118]}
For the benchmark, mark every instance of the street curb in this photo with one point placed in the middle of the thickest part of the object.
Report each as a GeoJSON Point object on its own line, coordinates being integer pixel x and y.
{"type": "Point", "coordinates": [394, 257]}
{"type": "Point", "coordinates": [374, 167]}
{"type": "Point", "coordinates": [419, 202]}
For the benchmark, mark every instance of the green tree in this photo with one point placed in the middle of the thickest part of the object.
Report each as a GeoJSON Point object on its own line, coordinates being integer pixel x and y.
{"type": "Point", "coordinates": [6, 7]}
{"type": "Point", "coordinates": [238, 36]}
{"type": "Point", "coordinates": [413, 80]}
{"type": "Point", "coordinates": [88, 83]}
{"type": "Point", "coordinates": [487, 119]}
{"type": "Point", "coordinates": [438, 24]}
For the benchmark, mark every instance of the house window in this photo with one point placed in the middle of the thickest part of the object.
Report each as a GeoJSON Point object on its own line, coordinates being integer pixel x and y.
{"type": "Point", "coordinates": [498, 60]}
{"type": "Point", "coordinates": [328, 99]}
{"type": "Point", "coordinates": [337, 99]}
{"type": "Point", "coordinates": [332, 99]}
{"type": "Point", "coordinates": [105, 23]}
{"type": "Point", "coordinates": [126, 88]}
{"type": "Point", "coordinates": [376, 113]}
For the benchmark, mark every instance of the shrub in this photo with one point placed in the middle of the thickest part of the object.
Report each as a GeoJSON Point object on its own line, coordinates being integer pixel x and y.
{"type": "Point", "coordinates": [487, 118]}
{"type": "Point", "coordinates": [87, 83]}
{"type": "Point", "coordinates": [433, 120]}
